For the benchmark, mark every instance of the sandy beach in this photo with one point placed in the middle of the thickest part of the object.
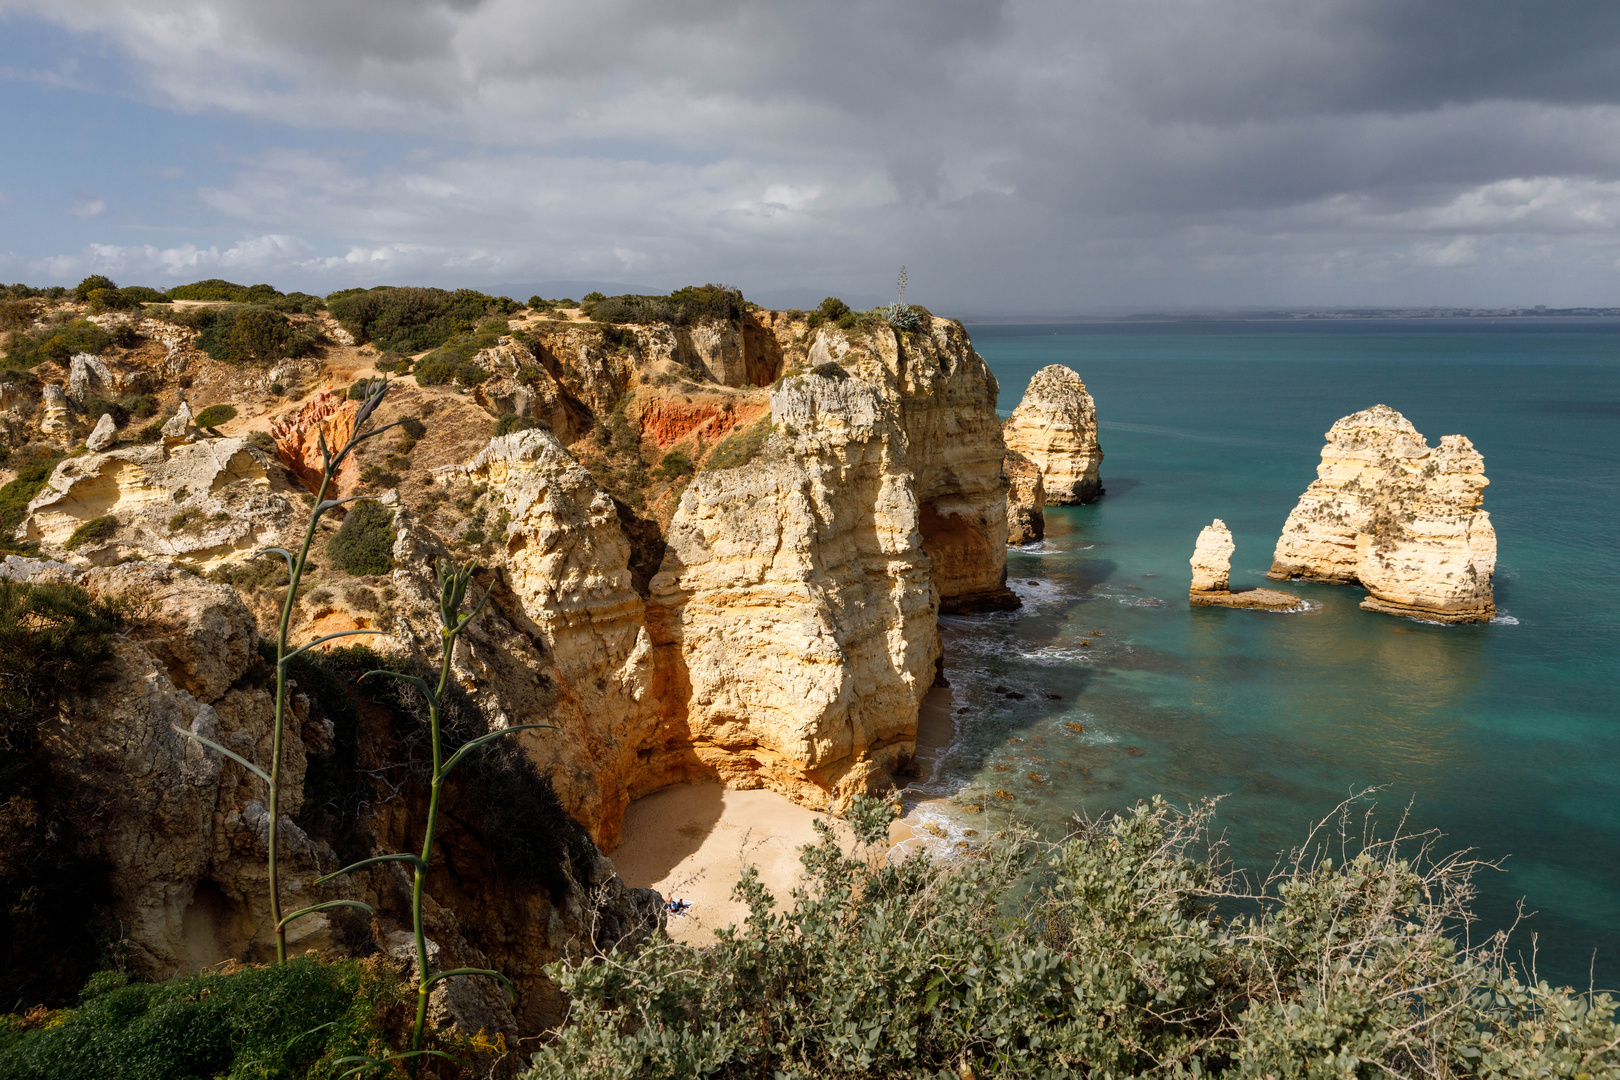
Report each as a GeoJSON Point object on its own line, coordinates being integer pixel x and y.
{"type": "Point", "coordinates": [693, 841]}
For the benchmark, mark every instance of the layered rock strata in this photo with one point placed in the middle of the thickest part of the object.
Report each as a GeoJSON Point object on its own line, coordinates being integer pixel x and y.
{"type": "Point", "coordinates": [1055, 426]}
{"type": "Point", "coordinates": [794, 614]}
{"type": "Point", "coordinates": [944, 396]}
{"type": "Point", "coordinates": [1026, 500]}
{"type": "Point", "coordinates": [196, 503]}
{"type": "Point", "coordinates": [1401, 519]}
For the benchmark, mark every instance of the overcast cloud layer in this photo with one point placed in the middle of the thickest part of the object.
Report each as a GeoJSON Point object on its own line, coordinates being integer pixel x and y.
{"type": "Point", "coordinates": [1020, 156]}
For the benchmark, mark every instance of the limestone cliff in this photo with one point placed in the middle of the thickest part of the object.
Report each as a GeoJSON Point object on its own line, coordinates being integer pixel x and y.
{"type": "Point", "coordinates": [1055, 426]}
{"type": "Point", "coordinates": [793, 613]}
{"type": "Point", "coordinates": [944, 397]}
{"type": "Point", "coordinates": [197, 503]}
{"type": "Point", "coordinates": [1398, 517]}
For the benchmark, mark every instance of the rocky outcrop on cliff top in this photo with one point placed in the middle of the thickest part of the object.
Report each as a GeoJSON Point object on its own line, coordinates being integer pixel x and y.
{"type": "Point", "coordinates": [196, 503]}
{"type": "Point", "coordinates": [1055, 426]}
{"type": "Point", "coordinates": [1026, 500]}
{"type": "Point", "coordinates": [1401, 519]}
{"type": "Point", "coordinates": [1211, 576]}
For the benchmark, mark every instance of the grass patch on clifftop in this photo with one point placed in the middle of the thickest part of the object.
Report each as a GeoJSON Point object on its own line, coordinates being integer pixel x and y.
{"type": "Point", "coordinates": [740, 447]}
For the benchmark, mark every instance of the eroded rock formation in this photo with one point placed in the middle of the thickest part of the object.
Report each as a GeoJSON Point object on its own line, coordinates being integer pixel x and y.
{"type": "Point", "coordinates": [1212, 573]}
{"type": "Point", "coordinates": [298, 434]}
{"type": "Point", "coordinates": [196, 503]}
{"type": "Point", "coordinates": [1055, 426]}
{"type": "Point", "coordinates": [1402, 519]}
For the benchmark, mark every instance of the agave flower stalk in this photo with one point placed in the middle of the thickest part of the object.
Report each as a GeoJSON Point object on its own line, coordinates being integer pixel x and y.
{"type": "Point", "coordinates": [453, 582]}
{"type": "Point", "coordinates": [296, 564]}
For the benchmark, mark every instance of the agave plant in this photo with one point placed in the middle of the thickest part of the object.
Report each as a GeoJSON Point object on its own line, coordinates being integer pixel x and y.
{"type": "Point", "coordinates": [296, 565]}
{"type": "Point", "coordinates": [453, 582]}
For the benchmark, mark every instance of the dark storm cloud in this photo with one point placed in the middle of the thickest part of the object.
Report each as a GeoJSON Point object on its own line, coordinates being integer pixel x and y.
{"type": "Point", "coordinates": [1036, 152]}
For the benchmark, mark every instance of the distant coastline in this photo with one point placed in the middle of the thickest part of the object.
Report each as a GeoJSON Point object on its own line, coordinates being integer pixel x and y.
{"type": "Point", "coordinates": [1307, 315]}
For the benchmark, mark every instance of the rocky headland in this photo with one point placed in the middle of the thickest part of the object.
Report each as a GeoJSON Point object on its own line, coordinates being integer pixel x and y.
{"type": "Point", "coordinates": [1400, 518]}
{"type": "Point", "coordinates": [1055, 427]}
{"type": "Point", "coordinates": [717, 549]}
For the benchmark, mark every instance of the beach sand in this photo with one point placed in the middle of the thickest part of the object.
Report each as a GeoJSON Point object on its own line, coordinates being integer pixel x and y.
{"type": "Point", "coordinates": [692, 841]}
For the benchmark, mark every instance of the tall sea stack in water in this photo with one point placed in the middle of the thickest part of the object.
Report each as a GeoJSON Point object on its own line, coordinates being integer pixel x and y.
{"type": "Point", "coordinates": [1055, 426]}
{"type": "Point", "coordinates": [1400, 518]}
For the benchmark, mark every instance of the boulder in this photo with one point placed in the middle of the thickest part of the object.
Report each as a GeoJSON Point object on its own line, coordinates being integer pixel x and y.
{"type": "Point", "coordinates": [89, 378]}
{"type": "Point", "coordinates": [1026, 499]}
{"type": "Point", "coordinates": [103, 435]}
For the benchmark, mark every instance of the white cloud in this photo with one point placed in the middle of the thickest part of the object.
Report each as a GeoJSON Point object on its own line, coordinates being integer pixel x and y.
{"type": "Point", "coordinates": [88, 206]}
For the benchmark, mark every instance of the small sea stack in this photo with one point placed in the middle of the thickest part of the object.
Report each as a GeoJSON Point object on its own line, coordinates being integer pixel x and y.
{"type": "Point", "coordinates": [1212, 572]}
{"type": "Point", "coordinates": [1402, 519]}
{"type": "Point", "coordinates": [1055, 427]}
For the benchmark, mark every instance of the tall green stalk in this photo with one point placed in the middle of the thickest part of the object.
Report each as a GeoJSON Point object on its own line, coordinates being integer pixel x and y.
{"type": "Point", "coordinates": [295, 571]}
{"type": "Point", "coordinates": [453, 583]}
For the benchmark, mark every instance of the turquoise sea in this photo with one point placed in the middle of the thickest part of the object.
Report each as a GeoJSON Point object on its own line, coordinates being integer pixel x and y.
{"type": "Point", "coordinates": [1506, 737]}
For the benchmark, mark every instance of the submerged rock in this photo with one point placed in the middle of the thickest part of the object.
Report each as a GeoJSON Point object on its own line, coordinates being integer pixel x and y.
{"type": "Point", "coordinates": [1398, 517]}
{"type": "Point", "coordinates": [1055, 426]}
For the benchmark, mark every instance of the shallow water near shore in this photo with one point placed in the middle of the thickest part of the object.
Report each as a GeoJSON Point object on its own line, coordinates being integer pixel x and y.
{"type": "Point", "coordinates": [1504, 736]}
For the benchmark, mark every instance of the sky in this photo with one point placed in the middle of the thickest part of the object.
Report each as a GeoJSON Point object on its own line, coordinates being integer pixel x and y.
{"type": "Point", "coordinates": [1018, 157]}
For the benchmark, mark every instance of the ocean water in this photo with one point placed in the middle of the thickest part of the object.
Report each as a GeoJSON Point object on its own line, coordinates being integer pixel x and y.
{"type": "Point", "coordinates": [1506, 736]}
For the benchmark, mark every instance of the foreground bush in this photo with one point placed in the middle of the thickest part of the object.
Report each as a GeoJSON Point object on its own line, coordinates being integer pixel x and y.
{"type": "Point", "coordinates": [59, 343]}
{"type": "Point", "coordinates": [1116, 953]}
{"type": "Point", "coordinates": [364, 544]}
{"type": "Point", "coordinates": [295, 1020]}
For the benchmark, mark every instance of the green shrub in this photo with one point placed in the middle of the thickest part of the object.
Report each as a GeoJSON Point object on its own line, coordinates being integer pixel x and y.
{"type": "Point", "coordinates": [54, 642]}
{"type": "Point", "coordinates": [215, 415]}
{"type": "Point", "coordinates": [453, 361]}
{"type": "Point", "coordinates": [228, 291]}
{"type": "Point", "coordinates": [832, 309]}
{"type": "Point", "coordinates": [1126, 950]}
{"type": "Point", "coordinates": [683, 307]}
{"type": "Point", "coordinates": [249, 333]}
{"type": "Point", "coordinates": [248, 576]}
{"type": "Point", "coordinates": [412, 320]}
{"type": "Point", "coordinates": [365, 542]}
{"type": "Point", "coordinates": [17, 314]}
{"type": "Point", "coordinates": [829, 370]}
{"type": "Point", "coordinates": [106, 407]}
{"type": "Point", "coordinates": [93, 283]}
{"type": "Point", "coordinates": [740, 447]}
{"type": "Point", "coordinates": [413, 428]}
{"type": "Point", "coordinates": [285, 1022]}
{"type": "Point", "coordinates": [93, 531]}
{"type": "Point", "coordinates": [111, 300]}
{"type": "Point", "coordinates": [674, 466]}
{"type": "Point", "coordinates": [58, 343]}
{"type": "Point", "coordinates": [143, 295]}
{"type": "Point", "coordinates": [513, 422]}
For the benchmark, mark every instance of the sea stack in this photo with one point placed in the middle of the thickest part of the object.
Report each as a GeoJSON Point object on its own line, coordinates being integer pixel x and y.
{"type": "Point", "coordinates": [1212, 571]}
{"type": "Point", "coordinates": [1026, 499]}
{"type": "Point", "coordinates": [1055, 426]}
{"type": "Point", "coordinates": [1400, 518]}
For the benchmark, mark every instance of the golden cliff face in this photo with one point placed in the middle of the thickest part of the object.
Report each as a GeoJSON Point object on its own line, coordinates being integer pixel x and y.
{"type": "Point", "coordinates": [944, 397]}
{"type": "Point", "coordinates": [1398, 517]}
{"type": "Point", "coordinates": [1055, 426]}
{"type": "Point", "coordinates": [793, 613]}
